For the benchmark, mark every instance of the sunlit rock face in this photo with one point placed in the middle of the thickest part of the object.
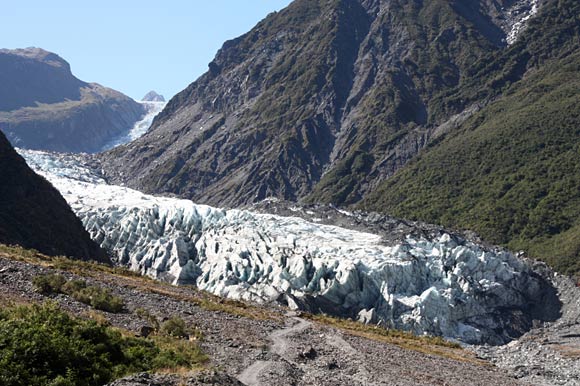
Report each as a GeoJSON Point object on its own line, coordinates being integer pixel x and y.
{"type": "Point", "coordinates": [439, 284]}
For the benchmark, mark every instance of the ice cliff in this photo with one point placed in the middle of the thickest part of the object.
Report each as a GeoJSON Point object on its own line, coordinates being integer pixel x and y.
{"type": "Point", "coordinates": [441, 285]}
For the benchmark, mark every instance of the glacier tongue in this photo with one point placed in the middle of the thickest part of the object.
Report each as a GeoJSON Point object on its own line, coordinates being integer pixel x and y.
{"type": "Point", "coordinates": [441, 285]}
{"type": "Point", "coordinates": [140, 127]}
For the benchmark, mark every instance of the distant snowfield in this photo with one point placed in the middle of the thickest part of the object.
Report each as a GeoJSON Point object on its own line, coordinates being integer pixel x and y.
{"type": "Point", "coordinates": [444, 286]}
{"type": "Point", "coordinates": [140, 127]}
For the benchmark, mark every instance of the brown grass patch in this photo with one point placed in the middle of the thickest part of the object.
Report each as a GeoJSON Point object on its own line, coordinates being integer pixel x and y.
{"type": "Point", "coordinates": [431, 345]}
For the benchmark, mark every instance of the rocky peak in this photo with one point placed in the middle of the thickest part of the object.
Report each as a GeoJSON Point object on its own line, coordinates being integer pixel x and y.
{"type": "Point", "coordinates": [153, 96]}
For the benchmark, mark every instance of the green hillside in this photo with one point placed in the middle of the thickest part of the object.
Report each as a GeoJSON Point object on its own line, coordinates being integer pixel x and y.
{"type": "Point", "coordinates": [511, 172]}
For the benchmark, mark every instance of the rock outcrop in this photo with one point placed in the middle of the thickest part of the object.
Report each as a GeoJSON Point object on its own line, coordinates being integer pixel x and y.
{"type": "Point", "coordinates": [33, 214]}
{"type": "Point", "coordinates": [44, 106]}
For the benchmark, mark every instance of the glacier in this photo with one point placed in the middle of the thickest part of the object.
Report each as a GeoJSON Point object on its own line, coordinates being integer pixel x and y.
{"type": "Point", "coordinates": [140, 127]}
{"type": "Point", "coordinates": [441, 284]}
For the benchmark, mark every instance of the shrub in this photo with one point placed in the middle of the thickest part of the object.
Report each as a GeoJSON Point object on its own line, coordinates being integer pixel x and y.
{"type": "Point", "coordinates": [73, 286]}
{"type": "Point", "coordinates": [99, 298]}
{"type": "Point", "coordinates": [175, 327]}
{"type": "Point", "coordinates": [94, 296]}
{"type": "Point", "coordinates": [147, 316]}
{"type": "Point", "coordinates": [41, 345]}
{"type": "Point", "coordinates": [48, 284]}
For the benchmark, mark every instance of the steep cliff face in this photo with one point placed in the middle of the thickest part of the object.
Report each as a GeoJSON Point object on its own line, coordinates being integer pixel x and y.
{"type": "Point", "coordinates": [43, 106]}
{"type": "Point", "coordinates": [324, 96]}
{"type": "Point", "coordinates": [34, 214]}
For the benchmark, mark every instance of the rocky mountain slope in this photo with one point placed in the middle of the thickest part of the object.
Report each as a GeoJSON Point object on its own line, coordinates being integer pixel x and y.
{"type": "Point", "coordinates": [334, 88]}
{"type": "Point", "coordinates": [326, 100]}
{"type": "Point", "coordinates": [324, 96]}
{"type": "Point", "coordinates": [34, 214]}
{"type": "Point", "coordinates": [44, 106]}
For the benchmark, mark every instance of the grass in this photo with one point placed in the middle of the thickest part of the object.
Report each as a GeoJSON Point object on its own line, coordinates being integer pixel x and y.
{"type": "Point", "coordinates": [431, 345]}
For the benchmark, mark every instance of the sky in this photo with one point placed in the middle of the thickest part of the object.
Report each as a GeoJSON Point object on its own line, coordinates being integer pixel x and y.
{"type": "Point", "coordinates": [129, 45]}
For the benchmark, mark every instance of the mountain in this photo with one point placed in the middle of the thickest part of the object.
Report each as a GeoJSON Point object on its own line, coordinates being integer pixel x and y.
{"type": "Point", "coordinates": [44, 106]}
{"type": "Point", "coordinates": [152, 96]}
{"type": "Point", "coordinates": [340, 101]}
{"type": "Point", "coordinates": [33, 214]}
{"type": "Point", "coordinates": [309, 92]}
{"type": "Point", "coordinates": [322, 100]}
{"type": "Point", "coordinates": [511, 171]}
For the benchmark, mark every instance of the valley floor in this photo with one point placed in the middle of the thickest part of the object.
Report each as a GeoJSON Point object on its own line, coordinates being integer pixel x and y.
{"type": "Point", "coordinates": [258, 345]}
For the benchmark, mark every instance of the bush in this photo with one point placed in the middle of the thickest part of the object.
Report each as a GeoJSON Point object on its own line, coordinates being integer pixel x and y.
{"type": "Point", "coordinates": [48, 284]}
{"type": "Point", "coordinates": [175, 327]}
{"type": "Point", "coordinates": [99, 298]}
{"type": "Point", "coordinates": [41, 345]}
{"type": "Point", "coordinates": [73, 286]}
{"type": "Point", "coordinates": [147, 316]}
{"type": "Point", "coordinates": [94, 296]}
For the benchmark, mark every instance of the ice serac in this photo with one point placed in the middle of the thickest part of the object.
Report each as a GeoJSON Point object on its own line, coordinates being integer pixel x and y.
{"type": "Point", "coordinates": [439, 284]}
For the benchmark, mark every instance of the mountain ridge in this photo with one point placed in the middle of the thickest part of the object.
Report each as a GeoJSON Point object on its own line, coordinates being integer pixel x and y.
{"type": "Point", "coordinates": [44, 106]}
{"type": "Point", "coordinates": [33, 214]}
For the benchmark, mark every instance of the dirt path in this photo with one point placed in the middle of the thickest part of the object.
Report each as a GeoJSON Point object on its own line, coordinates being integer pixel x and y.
{"type": "Point", "coordinates": [280, 346]}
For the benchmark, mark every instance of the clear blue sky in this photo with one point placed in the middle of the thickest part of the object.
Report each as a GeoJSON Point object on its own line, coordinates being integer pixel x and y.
{"type": "Point", "coordinates": [132, 45]}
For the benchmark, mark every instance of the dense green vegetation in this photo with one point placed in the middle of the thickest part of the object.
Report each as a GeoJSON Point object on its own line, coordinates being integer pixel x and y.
{"type": "Point", "coordinates": [511, 172]}
{"type": "Point", "coordinates": [96, 297]}
{"type": "Point", "coordinates": [553, 34]}
{"type": "Point", "coordinates": [41, 345]}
